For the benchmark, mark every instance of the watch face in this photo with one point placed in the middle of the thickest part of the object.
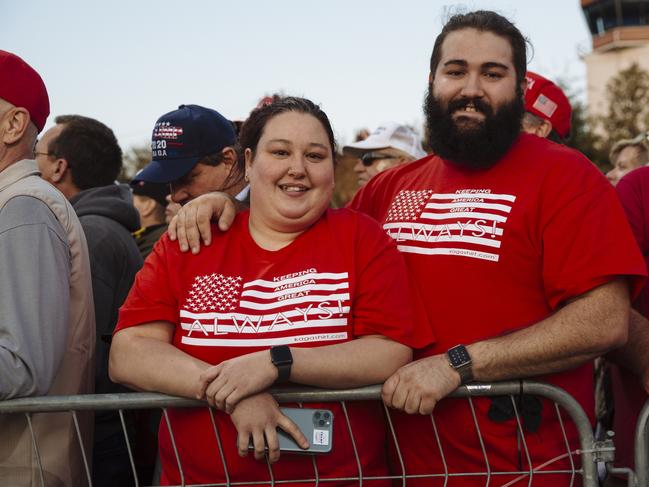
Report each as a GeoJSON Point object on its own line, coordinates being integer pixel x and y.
{"type": "Point", "coordinates": [281, 355]}
{"type": "Point", "coordinates": [458, 356]}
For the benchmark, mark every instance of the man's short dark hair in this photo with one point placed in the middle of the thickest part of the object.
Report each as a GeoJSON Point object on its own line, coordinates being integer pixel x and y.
{"type": "Point", "coordinates": [91, 149]}
{"type": "Point", "coordinates": [485, 21]}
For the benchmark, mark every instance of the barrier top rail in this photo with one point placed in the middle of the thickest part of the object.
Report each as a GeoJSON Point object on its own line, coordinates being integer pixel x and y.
{"type": "Point", "coordinates": [145, 400]}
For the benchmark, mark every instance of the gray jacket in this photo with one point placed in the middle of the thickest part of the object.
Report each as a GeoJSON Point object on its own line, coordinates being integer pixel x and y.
{"type": "Point", "coordinates": [47, 326]}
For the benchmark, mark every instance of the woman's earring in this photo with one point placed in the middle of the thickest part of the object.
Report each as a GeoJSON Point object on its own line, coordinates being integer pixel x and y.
{"type": "Point", "coordinates": [246, 178]}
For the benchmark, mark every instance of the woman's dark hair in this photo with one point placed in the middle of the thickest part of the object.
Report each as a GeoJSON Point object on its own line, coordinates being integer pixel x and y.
{"type": "Point", "coordinates": [485, 21]}
{"type": "Point", "coordinates": [253, 127]}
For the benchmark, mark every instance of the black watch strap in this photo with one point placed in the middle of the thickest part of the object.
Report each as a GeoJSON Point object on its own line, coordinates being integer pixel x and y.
{"type": "Point", "coordinates": [460, 360]}
{"type": "Point", "coordinates": [282, 358]}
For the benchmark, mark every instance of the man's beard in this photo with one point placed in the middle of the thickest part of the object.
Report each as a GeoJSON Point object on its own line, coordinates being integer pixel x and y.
{"type": "Point", "coordinates": [479, 146]}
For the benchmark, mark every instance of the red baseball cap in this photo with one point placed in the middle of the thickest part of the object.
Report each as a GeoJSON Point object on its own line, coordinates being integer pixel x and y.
{"type": "Point", "coordinates": [23, 87]}
{"type": "Point", "coordinates": [546, 100]}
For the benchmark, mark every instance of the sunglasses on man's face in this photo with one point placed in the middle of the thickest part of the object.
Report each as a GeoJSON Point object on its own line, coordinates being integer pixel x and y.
{"type": "Point", "coordinates": [370, 157]}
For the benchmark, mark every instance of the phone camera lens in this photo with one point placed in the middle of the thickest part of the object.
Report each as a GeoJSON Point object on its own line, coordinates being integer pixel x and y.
{"type": "Point", "coordinates": [317, 415]}
{"type": "Point", "coordinates": [326, 415]}
{"type": "Point", "coordinates": [321, 422]}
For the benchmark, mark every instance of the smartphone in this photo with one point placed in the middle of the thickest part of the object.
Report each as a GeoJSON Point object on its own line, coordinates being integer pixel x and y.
{"type": "Point", "coordinates": [315, 424]}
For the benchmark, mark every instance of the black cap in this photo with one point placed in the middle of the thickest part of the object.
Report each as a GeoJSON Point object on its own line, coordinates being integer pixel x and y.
{"type": "Point", "coordinates": [157, 191]}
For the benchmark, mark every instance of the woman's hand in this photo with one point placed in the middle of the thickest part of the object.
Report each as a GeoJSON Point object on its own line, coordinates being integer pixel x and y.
{"type": "Point", "coordinates": [258, 417]}
{"type": "Point", "coordinates": [227, 383]}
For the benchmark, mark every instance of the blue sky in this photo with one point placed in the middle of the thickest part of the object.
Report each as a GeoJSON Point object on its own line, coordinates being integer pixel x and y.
{"type": "Point", "coordinates": [128, 62]}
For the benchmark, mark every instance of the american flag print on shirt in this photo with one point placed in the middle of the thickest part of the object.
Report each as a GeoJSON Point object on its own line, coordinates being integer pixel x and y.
{"type": "Point", "coordinates": [301, 307]}
{"type": "Point", "coordinates": [468, 223]}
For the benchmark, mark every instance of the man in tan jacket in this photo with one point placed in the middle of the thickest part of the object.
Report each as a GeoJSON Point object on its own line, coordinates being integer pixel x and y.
{"type": "Point", "coordinates": [47, 326]}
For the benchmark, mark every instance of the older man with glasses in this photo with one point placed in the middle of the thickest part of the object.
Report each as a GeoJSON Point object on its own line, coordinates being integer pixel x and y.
{"type": "Point", "coordinates": [390, 145]}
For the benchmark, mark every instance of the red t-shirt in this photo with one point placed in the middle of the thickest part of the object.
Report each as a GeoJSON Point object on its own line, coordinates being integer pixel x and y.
{"type": "Point", "coordinates": [339, 280]}
{"type": "Point", "coordinates": [628, 394]}
{"type": "Point", "coordinates": [491, 252]}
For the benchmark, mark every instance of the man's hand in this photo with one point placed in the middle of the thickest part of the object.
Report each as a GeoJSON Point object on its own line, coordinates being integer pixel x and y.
{"type": "Point", "coordinates": [226, 384]}
{"type": "Point", "coordinates": [633, 356]}
{"type": "Point", "coordinates": [258, 417]}
{"type": "Point", "coordinates": [193, 220]}
{"type": "Point", "coordinates": [418, 386]}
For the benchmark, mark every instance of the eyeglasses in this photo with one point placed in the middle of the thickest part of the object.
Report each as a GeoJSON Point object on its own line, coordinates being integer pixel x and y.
{"type": "Point", "coordinates": [369, 157]}
{"type": "Point", "coordinates": [47, 154]}
{"type": "Point", "coordinates": [640, 138]}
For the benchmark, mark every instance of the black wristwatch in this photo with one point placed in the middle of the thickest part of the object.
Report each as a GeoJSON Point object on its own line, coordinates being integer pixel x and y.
{"type": "Point", "coordinates": [460, 360]}
{"type": "Point", "coordinates": [282, 358]}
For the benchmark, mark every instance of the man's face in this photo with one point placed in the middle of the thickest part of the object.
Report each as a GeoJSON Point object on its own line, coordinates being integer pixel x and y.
{"type": "Point", "coordinates": [202, 179]}
{"type": "Point", "coordinates": [47, 164]}
{"type": "Point", "coordinates": [627, 160]}
{"type": "Point", "coordinates": [374, 162]}
{"type": "Point", "coordinates": [474, 106]}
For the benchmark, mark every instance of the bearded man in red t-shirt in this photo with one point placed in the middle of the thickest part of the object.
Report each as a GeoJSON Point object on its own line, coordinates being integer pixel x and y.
{"type": "Point", "coordinates": [523, 257]}
{"type": "Point", "coordinates": [523, 250]}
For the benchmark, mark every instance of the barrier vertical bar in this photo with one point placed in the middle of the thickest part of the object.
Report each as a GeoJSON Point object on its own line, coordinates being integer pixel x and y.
{"type": "Point", "coordinates": [35, 445]}
{"type": "Point", "coordinates": [83, 451]}
{"type": "Point", "coordinates": [351, 436]}
{"type": "Point", "coordinates": [173, 444]}
{"type": "Point", "coordinates": [218, 442]}
{"type": "Point", "coordinates": [128, 447]}
{"type": "Point", "coordinates": [396, 445]}
{"type": "Point", "coordinates": [484, 450]}
{"type": "Point", "coordinates": [522, 433]}
{"type": "Point", "coordinates": [567, 443]}
{"type": "Point", "coordinates": [441, 450]}
{"type": "Point", "coordinates": [313, 460]}
{"type": "Point", "coordinates": [642, 447]}
{"type": "Point", "coordinates": [270, 470]}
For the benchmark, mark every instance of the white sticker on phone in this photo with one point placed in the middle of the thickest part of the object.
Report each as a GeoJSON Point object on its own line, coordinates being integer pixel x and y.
{"type": "Point", "coordinates": [320, 437]}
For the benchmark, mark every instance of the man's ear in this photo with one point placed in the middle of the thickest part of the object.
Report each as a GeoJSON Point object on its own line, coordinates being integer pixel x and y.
{"type": "Point", "coordinates": [544, 129]}
{"type": "Point", "coordinates": [229, 156]}
{"type": "Point", "coordinates": [247, 155]}
{"type": "Point", "coordinates": [147, 206]}
{"type": "Point", "coordinates": [61, 168]}
{"type": "Point", "coordinates": [15, 121]}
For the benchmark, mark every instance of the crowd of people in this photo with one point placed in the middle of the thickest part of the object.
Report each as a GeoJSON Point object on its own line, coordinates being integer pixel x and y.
{"type": "Point", "coordinates": [500, 254]}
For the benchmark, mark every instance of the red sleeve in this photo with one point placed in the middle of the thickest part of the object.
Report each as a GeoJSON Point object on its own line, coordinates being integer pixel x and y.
{"type": "Point", "coordinates": [151, 298]}
{"type": "Point", "coordinates": [600, 246]}
{"type": "Point", "coordinates": [383, 303]}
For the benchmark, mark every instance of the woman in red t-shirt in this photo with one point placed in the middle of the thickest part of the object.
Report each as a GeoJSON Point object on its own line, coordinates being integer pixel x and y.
{"type": "Point", "coordinates": [325, 287]}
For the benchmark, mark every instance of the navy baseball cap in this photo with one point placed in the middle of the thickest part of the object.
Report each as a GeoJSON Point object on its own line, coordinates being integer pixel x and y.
{"type": "Point", "coordinates": [182, 138]}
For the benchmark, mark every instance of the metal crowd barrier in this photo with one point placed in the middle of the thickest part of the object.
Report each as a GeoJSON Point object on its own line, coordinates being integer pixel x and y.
{"type": "Point", "coordinates": [642, 447]}
{"type": "Point", "coordinates": [589, 450]}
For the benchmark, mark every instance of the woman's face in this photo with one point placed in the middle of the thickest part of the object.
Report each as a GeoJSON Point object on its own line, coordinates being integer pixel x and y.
{"type": "Point", "coordinates": [292, 173]}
